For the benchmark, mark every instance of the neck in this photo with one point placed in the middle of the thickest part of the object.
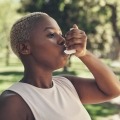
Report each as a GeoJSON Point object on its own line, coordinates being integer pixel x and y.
{"type": "Point", "coordinates": [38, 77]}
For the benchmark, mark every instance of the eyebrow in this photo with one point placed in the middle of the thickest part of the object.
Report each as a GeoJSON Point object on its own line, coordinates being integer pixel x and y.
{"type": "Point", "coordinates": [50, 28]}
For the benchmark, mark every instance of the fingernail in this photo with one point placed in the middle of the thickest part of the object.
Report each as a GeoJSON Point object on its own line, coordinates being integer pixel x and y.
{"type": "Point", "coordinates": [75, 26]}
{"type": "Point", "coordinates": [71, 28]}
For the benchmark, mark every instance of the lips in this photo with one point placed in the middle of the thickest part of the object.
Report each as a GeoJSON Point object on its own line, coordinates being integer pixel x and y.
{"type": "Point", "coordinates": [62, 51]}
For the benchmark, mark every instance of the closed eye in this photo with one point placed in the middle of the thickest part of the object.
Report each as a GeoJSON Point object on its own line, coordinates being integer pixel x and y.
{"type": "Point", "coordinates": [51, 35]}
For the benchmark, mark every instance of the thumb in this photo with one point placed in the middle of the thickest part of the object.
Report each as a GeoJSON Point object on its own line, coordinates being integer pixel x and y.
{"type": "Point", "coordinates": [75, 26]}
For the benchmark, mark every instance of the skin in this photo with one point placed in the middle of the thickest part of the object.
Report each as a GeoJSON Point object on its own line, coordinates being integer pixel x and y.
{"type": "Point", "coordinates": [39, 59]}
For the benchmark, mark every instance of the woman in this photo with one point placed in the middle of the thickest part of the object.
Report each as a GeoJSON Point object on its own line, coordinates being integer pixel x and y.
{"type": "Point", "coordinates": [37, 40]}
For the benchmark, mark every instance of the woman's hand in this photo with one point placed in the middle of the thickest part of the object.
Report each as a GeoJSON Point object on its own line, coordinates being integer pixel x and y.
{"type": "Point", "coordinates": [76, 39]}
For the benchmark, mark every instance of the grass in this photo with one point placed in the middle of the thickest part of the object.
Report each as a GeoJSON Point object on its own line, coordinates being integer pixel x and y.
{"type": "Point", "coordinates": [14, 72]}
{"type": "Point", "coordinates": [102, 110]}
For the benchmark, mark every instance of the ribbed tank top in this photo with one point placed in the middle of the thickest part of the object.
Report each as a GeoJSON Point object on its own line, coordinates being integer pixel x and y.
{"type": "Point", "coordinates": [60, 102]}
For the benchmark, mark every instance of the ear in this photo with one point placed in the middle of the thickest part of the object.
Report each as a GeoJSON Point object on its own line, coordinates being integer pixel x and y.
{"type": "Point", "coordinates": [24, 48]}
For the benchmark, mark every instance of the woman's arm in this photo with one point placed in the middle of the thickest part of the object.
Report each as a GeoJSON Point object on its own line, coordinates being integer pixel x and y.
{"type": "Point", "coordinates": [103, 87]}
{"type": "Point", "coordinates": [106, 80]}
{"type": "Point", "coordinates": [105, 84]}
{"type": "Point", "coordinates": [13, 107]}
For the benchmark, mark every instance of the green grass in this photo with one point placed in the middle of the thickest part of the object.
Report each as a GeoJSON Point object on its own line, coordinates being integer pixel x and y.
{"type": "Point", "coordinates": [102, 110]}
{"type": "Point", "coordinates": [14, 72]}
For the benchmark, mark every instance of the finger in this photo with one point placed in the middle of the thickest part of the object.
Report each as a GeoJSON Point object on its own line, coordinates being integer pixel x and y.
{"type": "Point", "coordinates": [74, 31]}
{"type": "Point", "coordinates": [77, 47]}
{"type": "Point", "coordinates": [75, 26]}
{"type": "Point", "coordinates": [73, 42]}
{"type": "Point", "coordinates": [75, 35]}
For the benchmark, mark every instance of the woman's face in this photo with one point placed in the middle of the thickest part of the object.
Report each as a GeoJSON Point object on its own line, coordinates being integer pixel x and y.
{"type": "Point", "coordinates": [47, 45]}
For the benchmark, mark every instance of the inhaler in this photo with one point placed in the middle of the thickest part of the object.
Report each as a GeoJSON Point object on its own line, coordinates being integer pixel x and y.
{"type": "Point", "coordinates": [70, 51]}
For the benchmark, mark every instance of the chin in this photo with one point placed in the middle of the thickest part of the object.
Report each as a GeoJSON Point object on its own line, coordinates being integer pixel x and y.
{"type": "Point", "coordinates": [61, 65]}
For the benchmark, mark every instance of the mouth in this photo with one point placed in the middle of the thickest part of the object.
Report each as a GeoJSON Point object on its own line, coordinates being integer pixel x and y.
{"type": "Point", "coordinates": [63, 49]}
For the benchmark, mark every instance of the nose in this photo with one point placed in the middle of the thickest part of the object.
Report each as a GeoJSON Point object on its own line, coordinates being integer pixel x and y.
{"type": "Point", "coordinates": [61, 40]}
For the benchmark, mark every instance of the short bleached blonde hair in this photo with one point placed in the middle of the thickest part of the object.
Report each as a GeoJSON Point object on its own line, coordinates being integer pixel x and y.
{"type": "Point", "coordinates": [22, 29]}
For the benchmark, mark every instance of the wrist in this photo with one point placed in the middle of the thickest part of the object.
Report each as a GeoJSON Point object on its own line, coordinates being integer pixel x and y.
{"type": "Point", "coordinates": [82, 54]}
{"type": "Point", "coordinates": [86, 56]}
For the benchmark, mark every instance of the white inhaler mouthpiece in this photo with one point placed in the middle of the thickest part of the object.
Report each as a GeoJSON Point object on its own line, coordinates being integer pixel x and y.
{"type": "Point", "coordinates": [70, 51]}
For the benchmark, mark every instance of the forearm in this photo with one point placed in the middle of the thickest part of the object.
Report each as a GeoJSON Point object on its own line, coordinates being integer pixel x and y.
{"type": "Point", "coordinates": [106, 80]}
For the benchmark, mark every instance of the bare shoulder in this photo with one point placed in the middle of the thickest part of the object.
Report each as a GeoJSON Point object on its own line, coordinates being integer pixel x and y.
{"type": "Point", "coordinates": [13, 107]}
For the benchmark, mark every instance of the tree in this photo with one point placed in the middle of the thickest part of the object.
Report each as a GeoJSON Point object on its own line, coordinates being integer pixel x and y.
{"type": "Point", "coordinates": [93, 16]}
{"type": "Point", "coordinates": [114, 19]}
{"type": "Point", "coordinates": [8, 15]}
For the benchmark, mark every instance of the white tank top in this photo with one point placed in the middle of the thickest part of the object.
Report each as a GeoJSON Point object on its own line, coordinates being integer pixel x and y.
{"type": "Point", "coordinates": [60, 102]}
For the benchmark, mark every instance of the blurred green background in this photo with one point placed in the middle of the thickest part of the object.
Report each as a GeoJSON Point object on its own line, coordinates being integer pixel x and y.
{"type": "Point", "coordinates": [100, 19]}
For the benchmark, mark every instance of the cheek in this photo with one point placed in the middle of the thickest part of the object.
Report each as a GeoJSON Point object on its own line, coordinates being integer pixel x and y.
{"type": "Point", "coordinates": [49, 59]}
{"type": "Point", "coordinates": [48, 55]}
